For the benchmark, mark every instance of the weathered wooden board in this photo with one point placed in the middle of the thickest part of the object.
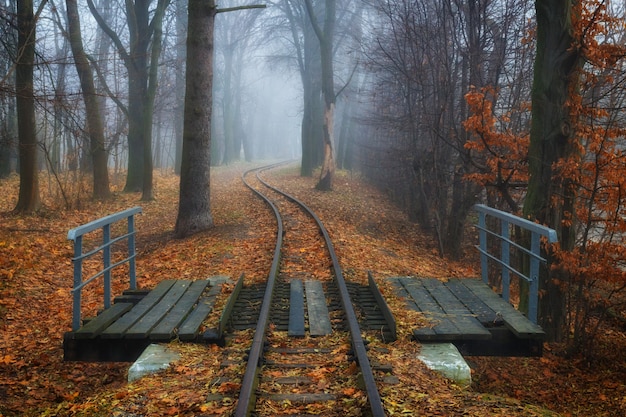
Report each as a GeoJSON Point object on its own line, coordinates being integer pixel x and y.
{"type": "Point", "coordinates": [191, 327]}
{"type": "Point", "coordinates": [296, 309]}
{"type": "Point", "coordinates": [513, 319]}
{"type": "Point", "coordinates": [483, 313]}
{"type": "Point", "coordinates": [119, 328]}
{"type": "Point", "coordinates": [443, 329]}
{"type": "Point", "coordinates": [464, 311]}
{"type": "Point", "coordinates": [102, 321]}
{"type": "Point", "coordinates": [456, 311]}
{"type": "Point", "coordinates": [319, 320]}
{"type": "Point", "coordinates": [165, 329]}
{"type": "Point", "coordinates": [144, 325]}
{"type": "Point", "coordinates": [390, 320]}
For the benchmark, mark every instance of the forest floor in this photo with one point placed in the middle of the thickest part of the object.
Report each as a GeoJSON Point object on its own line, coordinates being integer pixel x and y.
{"type": "Point", "coordinates": [370, 234]}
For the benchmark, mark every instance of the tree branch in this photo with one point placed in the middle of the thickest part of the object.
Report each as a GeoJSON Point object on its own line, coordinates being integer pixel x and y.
{"type": "Point", "coordinates": [105, 86]}
{"type": "Point", "coordinates": [107, 29]}
{"type": "Point", "coordinates": [314, 22]}
{"type": "Point", "coordinates": [232, 9]}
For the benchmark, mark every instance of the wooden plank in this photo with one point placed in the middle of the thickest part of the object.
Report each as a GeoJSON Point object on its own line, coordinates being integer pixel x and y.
{"type": "Point", "coordinates": [305, 398]}
{"type": "Point", "coordinates": [470, 327]}
{"type": "Point", "coordinates": [296, 309]}
{"type": "Point", "coordinates": [228, 308]}
{"type": "Point", "coordinates": [319, 320]}
{"type": "Point", "coordinates": [444, 329]}
{"type": "Point", "coordinates": [165, 330]}
{"type": "Point", "coordinates": [403, 293]}
{"type": "Point", "coordinates": [191, 327]}
{"type": "Point", "coordinates": [384, 307]}
{"type": "Point", "coordinates": [483, 313]}
{"type": "Point", "coordinates": [117, 329]}
{"type": "Point", "coordinates": [513, 319]}
{"type": "Point", "coordinates": [144, 325]}
{"type": "Point", "coordinates": [102, 321]}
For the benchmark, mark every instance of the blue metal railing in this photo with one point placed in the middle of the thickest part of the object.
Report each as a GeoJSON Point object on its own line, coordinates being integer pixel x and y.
{"type": "Point", "coordinates": [508, 220]}
{"type": "Point", "coordinates": [77, 236]}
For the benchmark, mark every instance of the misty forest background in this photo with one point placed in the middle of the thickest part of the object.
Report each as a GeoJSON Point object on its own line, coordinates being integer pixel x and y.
{"type": "Point", "coordinates": [428, 100]}
{"type": "Point", "coordinates": [401, 70]}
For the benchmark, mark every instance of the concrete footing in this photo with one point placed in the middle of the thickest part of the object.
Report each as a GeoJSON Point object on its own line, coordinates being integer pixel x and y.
{"type": "Point", "coordinates": [446, 359]}
{"type": "Point", "coordinates": [153, 359]}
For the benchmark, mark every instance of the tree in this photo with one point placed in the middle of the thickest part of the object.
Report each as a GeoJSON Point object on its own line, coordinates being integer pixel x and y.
{"type": "Point", "coordinates": [181, 32]}
{"type": "Point", "coordinates": [325, 36]}
{"type": "Point", "coordinates": [233, 38]}
{"type": "Point", "coordinates": [194, 209]}
{"type": "Point", "coordinates": [423, 58]}
{"type": "Point", "coordinates": [28, 200]}
{"type": "Point", "coordinates": [95, 125]}
{"type": "Point", "coordinates": [575, 160]}
{"type": "Point", "coordinates": [556, 76]}
{"type": "Point", "coordinates": [141, 61]}
{"type": "Point", "coordinates": [7, 99]}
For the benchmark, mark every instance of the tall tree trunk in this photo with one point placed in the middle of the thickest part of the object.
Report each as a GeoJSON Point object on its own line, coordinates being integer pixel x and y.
{"type": "Point", "coordinates": [155, 53]}
{"type": "Point", "coordinates": [181, 33]}
{"type": "Point", "coordinates": [28, 200]}
{"type": "Point", "coordinates": [95, 125]}
{"type": "Point", "coordinates": [141, 85]}
{"type": "Point", "coordinates": [228, 112]}
{"type": "Point", "coordinates": [194, 210]}
{"type": "Point", "coordinates": [556, 72]}
{"type": "Point", "coordinates": [326, 37]}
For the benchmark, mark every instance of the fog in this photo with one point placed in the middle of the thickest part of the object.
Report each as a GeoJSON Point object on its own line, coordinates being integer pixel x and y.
{"type": "Point", "coordinates": [399, 70]}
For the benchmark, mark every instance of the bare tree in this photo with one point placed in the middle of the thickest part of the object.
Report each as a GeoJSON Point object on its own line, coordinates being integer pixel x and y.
{"type": "Point", "coordinates": [28, 200]}
{"type": "Point", "coordinates": [424, 57]}
{"type": "Point", "coordinates": [95, 125]}
{"type": "Point", "coordinates": [141, 61]}
{"type": "Point", "coordinates": [325, 35]}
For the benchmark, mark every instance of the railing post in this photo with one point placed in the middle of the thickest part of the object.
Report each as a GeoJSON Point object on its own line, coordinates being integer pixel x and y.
{"type": "Point", "coordinates": [535, 249]}
{"type": "Point", "coordinates": [131, 253]}
{"type": "Point", "coordinates": [482, 241]}
{"type": "Point", "coordinates": [78, 276]}
{"type": "Point", "coordinates": [504, 255]}
{"type": "Point", "coordinates": [106, 256]}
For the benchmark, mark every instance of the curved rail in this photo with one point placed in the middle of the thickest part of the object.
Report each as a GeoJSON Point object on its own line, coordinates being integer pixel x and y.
{"type": "Point", "coordinates": [249, 381]}
{"type": "Point", "coordinates": [358, 345]}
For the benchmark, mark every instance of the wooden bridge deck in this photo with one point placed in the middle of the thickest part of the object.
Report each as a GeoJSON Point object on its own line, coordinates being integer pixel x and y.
{"type": "Point", "coordinates": [467, 313]}
{"type": "Point", "coordinates": [174, 309]}
{"type": "Point", "coordinates": [464, 312]}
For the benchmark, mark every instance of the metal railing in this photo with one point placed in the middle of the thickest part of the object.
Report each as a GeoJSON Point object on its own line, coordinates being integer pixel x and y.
{"type": "Point", "coordinates": [537, 231]}
{"type": "Point", "coordinates": [77, 234]}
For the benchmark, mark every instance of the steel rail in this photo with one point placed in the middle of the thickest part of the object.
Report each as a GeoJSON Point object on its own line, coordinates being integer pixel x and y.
{"type": "Point", "coordinates": [250, 377]}
{"type": "Point", "coordinates": [358, 345]}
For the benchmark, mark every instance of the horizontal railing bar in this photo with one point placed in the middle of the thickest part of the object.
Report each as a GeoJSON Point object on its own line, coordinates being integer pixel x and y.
{"type": "Point", "coordinates": [518, 221]}
{"type": "Point", "coordinates": [108, 244]}
{"type": "Point", "coordinates": [97, 224]}
{"type": "Point", "coordinates": [109, 268]}
{"type": "Point", "coordinates": [504, 264]}
{"type": "Point", "coordinates": [509, 241]}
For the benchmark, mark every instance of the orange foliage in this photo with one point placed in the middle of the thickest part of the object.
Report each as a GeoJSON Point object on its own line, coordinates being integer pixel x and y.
{"type": "Point", "coordinates": [596, 170]}
{"type": "Point", "coordinates": [503, 165]}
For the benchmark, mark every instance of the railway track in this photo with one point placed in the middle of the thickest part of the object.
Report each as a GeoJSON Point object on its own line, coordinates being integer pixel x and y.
{"type": "Point", "coordinates": [307, 355]}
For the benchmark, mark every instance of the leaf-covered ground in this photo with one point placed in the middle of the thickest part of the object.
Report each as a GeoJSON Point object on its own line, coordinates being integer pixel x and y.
{"type": "Point", "coordinates": [369, 234]}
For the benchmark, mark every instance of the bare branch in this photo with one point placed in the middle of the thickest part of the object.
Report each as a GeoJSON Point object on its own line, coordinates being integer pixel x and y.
{"type": "Point", "coordinates": [251, 6]}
